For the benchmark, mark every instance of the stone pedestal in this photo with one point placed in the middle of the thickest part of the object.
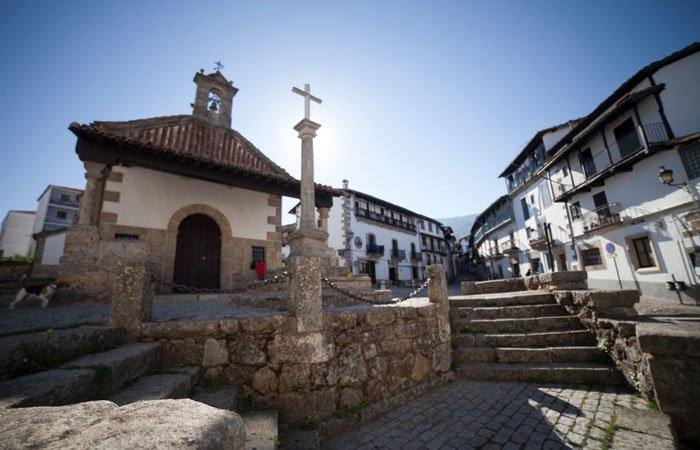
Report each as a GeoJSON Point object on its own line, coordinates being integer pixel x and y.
{"type": "Point", "coordinates": [133, 290]}
{"type": "Point", "coordinates": [305, 301]}
{"type": "Point", "coordinates": [91, 198]}
{"type": "Point", "coordinates": [313, 243]}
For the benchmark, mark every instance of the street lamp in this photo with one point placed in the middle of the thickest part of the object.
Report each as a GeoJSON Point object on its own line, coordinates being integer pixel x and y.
{"type": "Point", "coordinates": [666, 177]}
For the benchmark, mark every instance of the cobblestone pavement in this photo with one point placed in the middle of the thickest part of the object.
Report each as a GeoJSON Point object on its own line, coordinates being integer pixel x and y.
{"type": "Point", "coordinates": [30, 316]}
{"type": "Point", "coordinates": [492, 415]}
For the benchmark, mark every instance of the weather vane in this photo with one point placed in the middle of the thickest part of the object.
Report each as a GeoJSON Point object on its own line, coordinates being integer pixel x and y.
{"type": "Point", "coordinates": [218, 65]}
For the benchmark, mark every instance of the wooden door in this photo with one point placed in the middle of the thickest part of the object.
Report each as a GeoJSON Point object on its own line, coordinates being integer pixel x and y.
{"type": "Point", "coordinates": [198, 252]}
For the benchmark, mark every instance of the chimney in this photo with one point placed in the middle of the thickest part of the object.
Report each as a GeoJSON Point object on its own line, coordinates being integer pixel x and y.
{"type": "Point", "coordinates": [345, 184]}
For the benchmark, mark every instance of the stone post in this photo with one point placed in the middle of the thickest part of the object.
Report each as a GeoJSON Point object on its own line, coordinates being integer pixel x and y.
{"type": "Point", "coordinates": [438, 295]}
{"type": "Point", "coordinates": [90, 200]}
{"type": "Point", "coordinates": [305, 301]}
{"type": "Point", "coordinates": [307, 133]}
{"type": "Point", "coordinates": [323, 218]}
{"type": "Point", "coordinates": [133, 290]}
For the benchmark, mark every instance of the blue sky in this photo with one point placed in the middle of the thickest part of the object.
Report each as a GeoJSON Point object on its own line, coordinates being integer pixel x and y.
{"type": "Point", "coordinates": [424, 102]}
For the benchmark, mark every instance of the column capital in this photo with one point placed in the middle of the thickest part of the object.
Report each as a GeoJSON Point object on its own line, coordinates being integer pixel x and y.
{"type": "Point", "coordinates": [307, 128]}
{"type": "Point", "coordinates": [94, 170]}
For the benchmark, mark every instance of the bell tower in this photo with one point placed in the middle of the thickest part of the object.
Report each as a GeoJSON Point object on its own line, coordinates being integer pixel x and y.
{"type": "Point", "coordinates": [213, 100]}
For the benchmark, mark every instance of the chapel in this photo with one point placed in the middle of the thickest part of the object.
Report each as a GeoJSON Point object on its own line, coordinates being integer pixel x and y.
{"type": "Point", "coordinates": [205, 200]}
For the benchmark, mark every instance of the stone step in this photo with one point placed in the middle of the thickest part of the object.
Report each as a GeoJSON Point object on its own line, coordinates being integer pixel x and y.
{"type": "Point", "coordinates": [502, 299]}
{"type": "Point", "coordinates": [574, 373]}
{"type": "Point", "coordinates": [176, 384]}
{"type": "Point", "coordinates": [545, 339]}
{"type": "Point", "coordinates": [260, 430]}
{"type": "Point", "coordinates": [496, 312]}
{"type": "Point", "coordinates": [55, 387]}
{"type": "Point", "coordinates": [529, 355]}
{"type": "Point", "coordinates": [27, 353]}
{"type": "Point", "coordinates": [225, 398]}
{"type": "Point", "coordinates": [534, 324]}
{"type": "Point", "coordinates": [116, 368]}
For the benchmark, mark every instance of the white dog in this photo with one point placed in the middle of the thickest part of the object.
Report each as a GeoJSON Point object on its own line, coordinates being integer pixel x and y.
{"type": "Point", "coordinates": [45, 292]}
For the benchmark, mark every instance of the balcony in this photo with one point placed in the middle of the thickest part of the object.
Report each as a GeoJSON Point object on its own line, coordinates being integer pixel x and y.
{"type": "Point", "coordinates": [375, 250]}
{"type": "Point", "coordinates": [509, 247]}
{"type": "Point", "coordinates": [71, 203]}
{"type": "Point", "coordinates": [397, 254]}
{"type": "Point", "coordinates": [601, 217]}
{"type": "Point", "coordinates": [381, 218]}
{"type": "Point", "coordinates": [538, 242]}
{"type": "Point", "coordinates": [617, 153]}
{"type": "Point", "coordinates": [416, 256]}
{"type": "Point", "coordinates": [492, 224]}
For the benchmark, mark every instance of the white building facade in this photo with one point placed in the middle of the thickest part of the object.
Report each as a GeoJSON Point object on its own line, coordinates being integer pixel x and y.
{"type": "Point", "coordinates": [630, 229]}
{"type": "Point", "coordinates": [542, 232]}
{"type": "Point", "coordinates": [492, 241]}
{"type": "Point", "coordinates": [16, 233]}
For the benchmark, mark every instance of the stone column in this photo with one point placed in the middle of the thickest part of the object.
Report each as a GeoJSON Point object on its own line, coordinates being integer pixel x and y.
{"type": "Point", "coordinates": [89, 211]}
{"type": "Point", "coordinates": [323, 218]}
{"type": "Point", "coordinates": [305, 301]}
{"type": "Point", "coordinates": [307, 133]}
{"type": "Point", "coordinates": [438, 295]}
{"type": "Point", "coordinates": [132, 293]}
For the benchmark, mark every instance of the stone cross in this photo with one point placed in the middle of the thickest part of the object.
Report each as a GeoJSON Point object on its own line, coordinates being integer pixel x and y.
{"type": "Point", "coordinates": [307, 131]}
{"type": "Point", "coordinates": [306, 93]}
{"type": "Point", "coordinates": [218, 65]}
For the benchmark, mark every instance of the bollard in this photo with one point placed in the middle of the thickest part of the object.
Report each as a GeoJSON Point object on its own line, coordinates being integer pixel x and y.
{"type": "Point", "coordinates": [132, 293]}
{"type": "Point", "coordinates": [438, 295]}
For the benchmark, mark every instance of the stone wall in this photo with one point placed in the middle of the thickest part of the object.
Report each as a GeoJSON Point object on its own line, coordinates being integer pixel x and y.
{"type": "Point", "coordinates": [11, 276]}
{"type": "Point", "coordinates": [547, 281]}
{"type": "Point", "coordinates": [375, 354]}
{"type": "Point", "coordinates": [89, 263]}
{"type": "Point", "coordinates": [659, 359]}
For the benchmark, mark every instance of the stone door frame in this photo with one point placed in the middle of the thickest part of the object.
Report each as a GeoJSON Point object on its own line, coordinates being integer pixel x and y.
{"type": "Point", "coordinates": [170, 243]}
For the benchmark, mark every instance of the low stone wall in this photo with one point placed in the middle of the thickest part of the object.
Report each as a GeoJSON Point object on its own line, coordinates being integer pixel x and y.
{"type": "Point", "coordinates": [660, 360]}
{"type": "Point", "coordinates": [11, 275]}
{"type": "Point", "coordinates": [547, 281]}
{"type": "Point", "coordinates": [373, 355]}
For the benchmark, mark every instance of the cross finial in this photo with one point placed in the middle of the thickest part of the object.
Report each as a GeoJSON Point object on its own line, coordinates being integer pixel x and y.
{"type": "Point", "coordinates": [218, 65]}
{"type": "Point", "coordinates": [306, 93]}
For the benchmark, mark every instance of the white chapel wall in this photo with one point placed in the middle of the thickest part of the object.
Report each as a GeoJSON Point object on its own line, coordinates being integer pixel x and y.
{"type": "Point", "coordinates": [149, 198]}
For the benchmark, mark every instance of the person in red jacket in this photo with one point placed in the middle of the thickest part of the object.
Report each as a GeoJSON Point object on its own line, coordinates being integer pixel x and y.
{"type": "Point", "coordinates": [261, 269]}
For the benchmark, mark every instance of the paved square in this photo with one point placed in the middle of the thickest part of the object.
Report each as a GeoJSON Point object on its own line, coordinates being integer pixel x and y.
{"type": "Point", "coordinates": [491, 415]}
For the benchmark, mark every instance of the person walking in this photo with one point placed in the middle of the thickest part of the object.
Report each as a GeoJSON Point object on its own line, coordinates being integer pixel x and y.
{"type": "Point", "coordinates": [261, 269]}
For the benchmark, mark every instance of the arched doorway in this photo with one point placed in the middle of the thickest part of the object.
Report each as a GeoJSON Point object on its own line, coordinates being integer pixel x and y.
{"type": "Point", "coordinates": [198, 252]}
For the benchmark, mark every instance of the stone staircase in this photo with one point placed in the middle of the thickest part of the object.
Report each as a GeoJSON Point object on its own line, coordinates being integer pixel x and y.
{"type": "Point", "coordinates": [55, 368]}
{"type": "Point", "coordinates": [524, 336]}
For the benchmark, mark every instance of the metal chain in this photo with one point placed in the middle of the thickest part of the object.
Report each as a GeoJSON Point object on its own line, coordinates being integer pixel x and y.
{"type": "Point", "coordinates": [246, 288]}
{"type": "Point", "coordinates": [361, 299]}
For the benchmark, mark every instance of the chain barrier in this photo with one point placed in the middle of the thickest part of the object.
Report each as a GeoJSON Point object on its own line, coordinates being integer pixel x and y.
{"type": "Point", "coordinates": [253, 285]}
{"type": "Point", "coordinates": [359, 298]}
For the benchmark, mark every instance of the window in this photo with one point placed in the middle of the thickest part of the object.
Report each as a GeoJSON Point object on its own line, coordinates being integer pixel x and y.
{"type": "Point", "coordinates": [394, 244]}
{"type": "Point", "coordinates": [258, 254]}
{"type": "Point", "coordinates": [591, 257]}
{"type": "Point", "coordinates": [61, 214]}
{"type": "Point", "coordinates": [526, 209]}
{"type": "Point", "coordinates": [564, 171]}
{"type": "Point", "coordinates": [587, 163]}
{"type": "Point", "coordinates": [422, 225]}
{"type": "Point", "coordinates": [575, 211]}
{"type": "Point", "coordinates": [627, 138]}
{"type": "Point", "coordinates": [642, 250]}
{"type": "Point", "coordinates": [65, 197]}
{"type": "Point", "coordinates": [430, 226]}
{"type": "Point", "coordinates": [690, 154]}
{"type": "Point", "coordinates": [126, 237]}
